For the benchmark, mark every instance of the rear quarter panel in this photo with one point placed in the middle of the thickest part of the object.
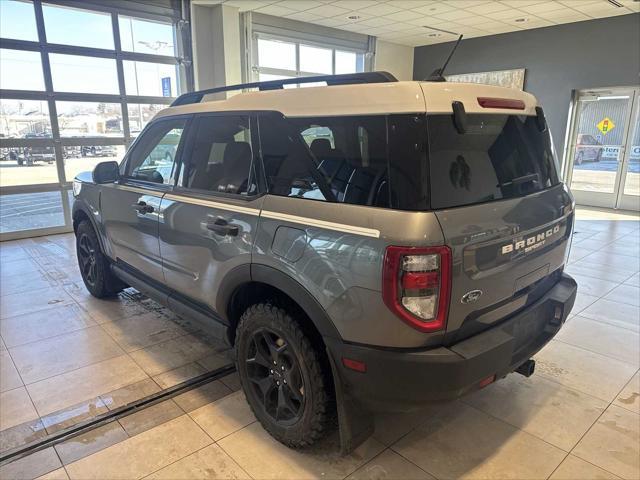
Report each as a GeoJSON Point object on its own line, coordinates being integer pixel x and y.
{"type": "Point", "coordinates": [340, 261]}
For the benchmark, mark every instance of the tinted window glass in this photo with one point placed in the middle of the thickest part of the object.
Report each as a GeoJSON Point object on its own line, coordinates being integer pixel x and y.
{"type": "Point", "coordinates": [153, 156]}
{"type": "Point", "coordinates": [408, 167]}
{"type": "Point", "coordinates": [337, 159]}
{"type": "Point", "coordinates": [499, 157]}
{"type": "Point", "coordinates": [221, 159]}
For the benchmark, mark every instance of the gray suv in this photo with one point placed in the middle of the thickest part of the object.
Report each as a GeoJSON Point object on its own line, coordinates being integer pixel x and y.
{"type": "Point", "coordinates": [362, 246]}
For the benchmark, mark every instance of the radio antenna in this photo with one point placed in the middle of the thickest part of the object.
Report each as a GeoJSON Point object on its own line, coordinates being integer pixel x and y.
{"type": "Point", "coordinates": [438, 74]}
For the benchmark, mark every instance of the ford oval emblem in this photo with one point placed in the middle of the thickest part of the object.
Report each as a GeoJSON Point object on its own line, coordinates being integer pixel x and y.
{"type": "Point", "coordinates": [471, 297]}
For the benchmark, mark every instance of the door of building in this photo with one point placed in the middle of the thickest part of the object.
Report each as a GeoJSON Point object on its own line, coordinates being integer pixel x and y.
{"type": "Point", "coordinates": [602, 165]}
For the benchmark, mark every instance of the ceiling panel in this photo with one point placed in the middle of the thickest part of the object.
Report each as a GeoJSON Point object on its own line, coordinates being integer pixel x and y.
{"type": "Point", "coordinates": [418, 22]}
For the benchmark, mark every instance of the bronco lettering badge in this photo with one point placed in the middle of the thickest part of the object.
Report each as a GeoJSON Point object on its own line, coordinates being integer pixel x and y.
{"type": "Point", "coordinates": [533, 242]}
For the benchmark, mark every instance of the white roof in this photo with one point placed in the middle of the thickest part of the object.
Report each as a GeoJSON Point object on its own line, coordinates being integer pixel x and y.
{"type": "Point", "coordinates": [363, 99]}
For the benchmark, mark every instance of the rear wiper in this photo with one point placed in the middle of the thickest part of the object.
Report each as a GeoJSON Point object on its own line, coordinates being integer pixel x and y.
{"type": "Point", "coordinates": [533, 177]}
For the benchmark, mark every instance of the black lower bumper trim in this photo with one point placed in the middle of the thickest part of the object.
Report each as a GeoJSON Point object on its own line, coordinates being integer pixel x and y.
{"type": "Point", "coordinates": [403, 380]}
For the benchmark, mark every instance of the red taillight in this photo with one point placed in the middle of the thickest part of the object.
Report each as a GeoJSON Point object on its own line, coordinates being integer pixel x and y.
{"type": "Point", "coordinates": [416, 285]}
{"type": "Point", "coordinates": [508, 103]}
{"type": "Point", "coordinates": [420, 280]}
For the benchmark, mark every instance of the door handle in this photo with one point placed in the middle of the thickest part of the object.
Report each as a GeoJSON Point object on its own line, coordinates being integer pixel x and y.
{"type": "Point", "coordinates": [223, 228]}
{"type": "Point", "coordinates": [142, 207]}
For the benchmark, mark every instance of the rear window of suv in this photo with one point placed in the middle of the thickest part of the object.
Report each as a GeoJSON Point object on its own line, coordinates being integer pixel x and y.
{"type": "Point", "coordinates": [497, 157]}
{"type": "Point", "coordinates": [406, 161]}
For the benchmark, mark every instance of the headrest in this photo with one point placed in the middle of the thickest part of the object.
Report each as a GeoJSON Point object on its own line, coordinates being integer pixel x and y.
{"type": "Point", "coordinates": [321, 147]}
{"type": "Point", "coordinates": [237, 152]}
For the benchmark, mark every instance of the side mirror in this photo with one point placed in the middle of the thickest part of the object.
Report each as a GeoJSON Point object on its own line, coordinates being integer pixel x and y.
{"type": "Point", "coordinates": [106, 172]}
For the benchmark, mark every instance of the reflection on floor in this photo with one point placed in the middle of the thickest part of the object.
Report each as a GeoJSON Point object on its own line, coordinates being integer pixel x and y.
{"type": "Point", "coordinates": [66, 356]}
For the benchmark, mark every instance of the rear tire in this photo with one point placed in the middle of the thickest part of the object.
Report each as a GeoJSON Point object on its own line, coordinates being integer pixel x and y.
{"type": "Point", "coordinates": [282, 376]}
{"type": "Point", "coordinates": [94, 266]}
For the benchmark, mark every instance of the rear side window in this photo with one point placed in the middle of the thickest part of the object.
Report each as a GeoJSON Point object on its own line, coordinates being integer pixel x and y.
{"type": "Point", "coordinates": [336, 159]}
{"type": "Point", "coordinates": [221, 156]}
{"type": "Point", "coordinates": [498, 157]}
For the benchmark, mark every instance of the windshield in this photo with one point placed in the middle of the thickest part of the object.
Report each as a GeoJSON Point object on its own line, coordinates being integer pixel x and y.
{"type": "Point", "coordinates": [497, 157]}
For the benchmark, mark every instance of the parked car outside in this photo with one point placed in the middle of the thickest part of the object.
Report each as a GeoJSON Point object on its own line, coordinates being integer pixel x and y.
{"type": "Point", "coordinates": [588, 149]}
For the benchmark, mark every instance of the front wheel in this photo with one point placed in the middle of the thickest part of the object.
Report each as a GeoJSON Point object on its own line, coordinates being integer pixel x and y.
{"type": "Point", "coordinates": [94, 267]}
{"type": "Point", "coordinates": [282, 376]}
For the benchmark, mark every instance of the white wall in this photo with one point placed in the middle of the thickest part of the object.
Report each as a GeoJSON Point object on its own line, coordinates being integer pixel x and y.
{"type": "Point", "coordinates": [395, 59]}
{"type": "Point", "coordinates": [216, 45]}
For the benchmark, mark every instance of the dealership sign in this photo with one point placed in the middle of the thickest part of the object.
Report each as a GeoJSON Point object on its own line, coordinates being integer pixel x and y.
{"type": "Point", "coordinates": [612, 151]}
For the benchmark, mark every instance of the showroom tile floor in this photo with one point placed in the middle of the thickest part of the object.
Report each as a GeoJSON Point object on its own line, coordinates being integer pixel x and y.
{"type": "Point", "coordinates": [65, 357]}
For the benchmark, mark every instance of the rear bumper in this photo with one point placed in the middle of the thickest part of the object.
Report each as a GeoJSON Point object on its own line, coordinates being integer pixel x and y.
{"type": "Point", "coordinates": [399, 380]}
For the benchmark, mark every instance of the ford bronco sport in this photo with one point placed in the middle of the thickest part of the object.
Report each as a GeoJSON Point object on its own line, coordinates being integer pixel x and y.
{"type": "Point", "coordinates": [366, 245]}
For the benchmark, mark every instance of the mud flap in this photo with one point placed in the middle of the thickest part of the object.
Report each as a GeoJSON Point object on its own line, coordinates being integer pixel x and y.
{"type": "Point", "coordinates": [354, 421]}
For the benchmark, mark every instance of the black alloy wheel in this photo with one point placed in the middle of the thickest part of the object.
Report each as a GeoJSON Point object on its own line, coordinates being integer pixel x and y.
{"type": "Point", "coordinates": [87, 259]}
{"type": "Point", "coordinates": [285, 378]}
{"type": "Point", "coordinates": [274, 373]}
{"type": "Point", "coordinates": [94, 266]}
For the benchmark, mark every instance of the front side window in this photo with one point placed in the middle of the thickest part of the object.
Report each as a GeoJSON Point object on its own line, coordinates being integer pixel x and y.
{"type": "Point", "coordinates": [336, 159]}
{"type": "Point", "coordinates": [221, 156]}
{"type": "Point", "coordinates": [153, 157]}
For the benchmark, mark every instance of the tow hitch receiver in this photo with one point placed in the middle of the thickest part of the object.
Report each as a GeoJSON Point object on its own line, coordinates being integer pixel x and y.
{"type": "Point", "coordinates": [527, 368]}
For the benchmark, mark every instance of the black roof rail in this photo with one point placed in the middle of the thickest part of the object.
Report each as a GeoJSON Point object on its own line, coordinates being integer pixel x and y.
{"type": "Point", "coordinates": [345, 79]}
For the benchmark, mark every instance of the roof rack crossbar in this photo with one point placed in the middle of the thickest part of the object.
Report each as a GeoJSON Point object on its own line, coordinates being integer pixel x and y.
{"type": "Point", "coordinates": [345, 79]}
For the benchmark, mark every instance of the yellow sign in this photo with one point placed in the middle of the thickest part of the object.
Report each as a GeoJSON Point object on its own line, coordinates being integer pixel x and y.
{"type": "Point", "coordinates": [606, 125]}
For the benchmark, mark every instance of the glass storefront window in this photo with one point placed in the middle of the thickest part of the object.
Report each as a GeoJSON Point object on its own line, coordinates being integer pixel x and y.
{"type": "Point", "coordinates": [89, 119]}
{"type": "Point", "coordinates": [75, 73]}
{"type": "Point", "coordinates": [17, 20]}
{"type": "Point", "coordinates": [316, 60]}
{"type": "Point", "coordinates": [277, 59]}
{"type": "Point", "coordinates": [26, 211]}
{"type": "Point", "coordinates": [597, 149]}
{"type": "Point", "coordinates": [145, 36]}
{"type": "Point", "coordinates": [152, 79]}
{"type": "Point", "coordinates": [84, 158]}
{"type": "Point", "coordinates": [43, 160]}
{"type": "Point", "coordinates": [346, 62]}
{"type": "Point", "coordinates": [24, 118]}
{"type": "Point", "coordinates": [274, 54]}
{"type": "Point", "coordinates": [140, 114]}
{"type": "Point", "coordinates": [20, 70]}
{"type": "Point", "coordinates": [73, 26]}
{"type": "Point", "coordinates": [265, 77]}
{"type": "Point", "coordinates": [632, 183]}
{"type": "Point", "coordinates": [28, 165]}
